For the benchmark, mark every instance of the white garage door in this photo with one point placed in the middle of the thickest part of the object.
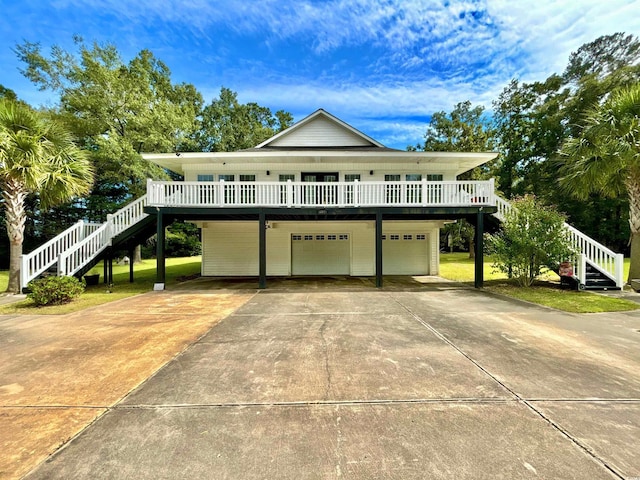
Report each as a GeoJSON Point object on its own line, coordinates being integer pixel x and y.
{"type": "Point", "coordinates": [320, 254]}
{"type": "Point", "coordinates": [405, 254]}
{"type": "Point", "coordinates": [230, 249]}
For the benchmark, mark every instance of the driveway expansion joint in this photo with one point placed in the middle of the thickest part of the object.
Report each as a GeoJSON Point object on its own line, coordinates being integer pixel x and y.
{"type": "Point", "coordinates": [524, 401]}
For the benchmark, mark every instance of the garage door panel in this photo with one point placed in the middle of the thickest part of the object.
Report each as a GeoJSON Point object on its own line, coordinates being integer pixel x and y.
{"type": "Point", "coordinates": [405, 254]}
{"type": "Point", "coordinates": [320, 254]}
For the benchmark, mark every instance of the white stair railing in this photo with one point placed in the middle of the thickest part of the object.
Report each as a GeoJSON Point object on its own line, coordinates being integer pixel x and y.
{"type": "Point", "coordinates": [45, 256]}
{"type": "Point", "coordinates": [589, 251]}
{"type": "Point", "coordinates": [80, 244]}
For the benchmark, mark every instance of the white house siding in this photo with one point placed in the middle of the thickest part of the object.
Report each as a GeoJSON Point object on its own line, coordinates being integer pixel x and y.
{"type": "Point", "coordinates": [320, 132]}
{"type": "Point", "coordinates": [231, 248]}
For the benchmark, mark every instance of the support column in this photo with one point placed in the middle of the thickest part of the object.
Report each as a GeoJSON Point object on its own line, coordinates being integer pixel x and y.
{"type": "Point", "coordinates": [160, 263]}
{"type": "Point", "coordinates": [262, 240]}
{"type": "Point", "coordinates": [105, 271]}
{"type": "Point", "coordinates": [479, 244]}
{"type": "Point", "coordinates": [131, 253]}
{"type": "Point", "coordinates": [378, 249]}
{"type": "Point", "coordinates": [110, 267]}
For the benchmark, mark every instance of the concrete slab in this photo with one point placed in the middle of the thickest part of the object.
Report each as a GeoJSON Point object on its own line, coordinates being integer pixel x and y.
{"type": "Point", "coordinates": [418, 441]}
{"type": "Point", "coordinates": [402, 382]}
{"type": "Point", "coordinates": [27, 435]}
{"type": "Point", "coordinates": [609, 430]}
{"type": "Point", "coordinates": [537, 352]}
{"type": "Point", "coordinates": [86, 360]}
{"type": "Point", "coordinates": [313, 358]}
{"type": "Point", "coordinates": [331, 302]}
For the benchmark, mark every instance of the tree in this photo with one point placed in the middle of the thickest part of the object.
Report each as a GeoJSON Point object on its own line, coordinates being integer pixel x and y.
{"type": "Point", "coordinates": [463, 130]}
{"type": "Point", "coordinates": [228, 125]}
{"type": "Point", "coordinates": [605, 158]}
{"type": "Point", "coordinates": [533, 120]}
{"type": "Point", "coordinates": [7, 93]}
{"type": "Point", "coordinates": [116, 109]}
{"type": "Point", "coordinates": [36, 155]}
{"type": "Point", "coordinates": [532, 237]}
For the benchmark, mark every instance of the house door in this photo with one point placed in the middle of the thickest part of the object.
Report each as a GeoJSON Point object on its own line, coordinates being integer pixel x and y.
{"type": "Point", "coordinates": [320, 254]}
{"type": "Point", "coordinates": [320, 194]}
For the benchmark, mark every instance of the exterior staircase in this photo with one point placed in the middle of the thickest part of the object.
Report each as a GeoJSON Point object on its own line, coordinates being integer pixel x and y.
{"type": "Point", "coordinates": [76, 250]}
{"type": "Point", "coordinates": [595, 267]}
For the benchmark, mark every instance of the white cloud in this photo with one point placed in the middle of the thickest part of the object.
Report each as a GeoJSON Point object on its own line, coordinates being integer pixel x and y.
{"type": "Point", "coordinates": [427, 54]}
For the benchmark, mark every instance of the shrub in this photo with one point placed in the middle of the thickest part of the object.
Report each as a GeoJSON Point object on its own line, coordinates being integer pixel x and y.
{"type": "Point", "coordinates": [533, 237]}
{"type": "Point", "coordinates": [54, 290]}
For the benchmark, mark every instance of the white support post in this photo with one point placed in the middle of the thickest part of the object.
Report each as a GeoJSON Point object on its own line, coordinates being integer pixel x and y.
{"type": "Point", "coordinates": [221, 198]}
{"type": "Point", "coordinates": [582, 270]}
{"type": "Point", "coordinates": [62, 264]}
{"type": "Point", "coordinates": [24, 269]}
{"type": "Point", "coordinates": [356, 193]}
{"type": "Point", "coordinates": [150, 193]}
{"type": "Point", "coordinates": [109, 230]}
{"type": "Point", "coordinates": [424, 192]}
{"type": "Point", "coordinates": [289, 194]}
{"type": "Point", "coordinates": [491, 197]}
{"type": "Point", "coordinates": [619, 269]}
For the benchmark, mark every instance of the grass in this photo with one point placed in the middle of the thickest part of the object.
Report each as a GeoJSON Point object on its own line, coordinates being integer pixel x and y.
{"type": "Point", "coordinates": [144, 278]}
{"type": "Point", "coordinates": [454, 266]}
{"type": "Point", "coordinates": [547, 292]}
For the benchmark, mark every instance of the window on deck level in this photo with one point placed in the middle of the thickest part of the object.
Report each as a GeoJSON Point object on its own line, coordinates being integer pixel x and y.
{"type": "Point", "coordinates": [205, 178]}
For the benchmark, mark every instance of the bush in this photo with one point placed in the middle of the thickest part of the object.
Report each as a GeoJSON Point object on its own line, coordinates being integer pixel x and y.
{"type": "Point", "coordinates": [54, 290]}
{"type": "Point", "coordinates": [533, 237]}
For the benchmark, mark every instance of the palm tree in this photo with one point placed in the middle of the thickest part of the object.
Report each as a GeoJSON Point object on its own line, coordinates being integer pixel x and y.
{"type": "Point", "coordinates": [37, 155]}
{"type": "Point", "coordinates": [605, 159]}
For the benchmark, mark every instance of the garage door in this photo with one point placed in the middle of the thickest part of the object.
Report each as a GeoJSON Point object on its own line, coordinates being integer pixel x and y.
{"type": "Point", "coordinates": [320, 254]}
{"type": "Point", "coordinates": [405, 254]}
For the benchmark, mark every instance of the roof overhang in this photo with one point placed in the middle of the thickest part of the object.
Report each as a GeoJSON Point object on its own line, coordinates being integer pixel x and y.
{"type": "Point", "coordinates": [459, 162]}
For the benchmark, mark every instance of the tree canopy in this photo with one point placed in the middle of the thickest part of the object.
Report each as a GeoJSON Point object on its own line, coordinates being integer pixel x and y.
{"type": "Point", "coordinates": [115, 110]}
{"type": "Point", "coordinates": [228, 125]}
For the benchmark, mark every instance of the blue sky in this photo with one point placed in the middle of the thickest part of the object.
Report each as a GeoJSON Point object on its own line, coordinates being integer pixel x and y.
{"type": "Point", "coordinates": [381, 65]}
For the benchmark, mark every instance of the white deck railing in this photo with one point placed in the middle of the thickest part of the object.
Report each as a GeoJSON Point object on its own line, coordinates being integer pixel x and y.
{"type": "Point", "coordinates": [315, 194]}
{"type": "Point", "coordinates": [588, 250]}
{"type": "Point", "coordinates": [80, 244]}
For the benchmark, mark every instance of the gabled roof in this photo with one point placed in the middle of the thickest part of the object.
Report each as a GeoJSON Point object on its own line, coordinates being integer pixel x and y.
{"type": "Point", "coordinates": [320, 130]}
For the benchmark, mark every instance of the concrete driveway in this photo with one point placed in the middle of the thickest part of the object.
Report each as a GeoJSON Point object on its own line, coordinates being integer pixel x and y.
{"type": "Point", "coordinates": [428, 381]}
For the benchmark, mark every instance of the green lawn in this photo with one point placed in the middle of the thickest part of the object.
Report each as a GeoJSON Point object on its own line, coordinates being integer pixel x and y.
{"type": "Point", "coordinates": [454, 266]}
{"type": "Point", "coordinates": [459, 267]}
{"type": "Point", "coordinates": [144, 278]}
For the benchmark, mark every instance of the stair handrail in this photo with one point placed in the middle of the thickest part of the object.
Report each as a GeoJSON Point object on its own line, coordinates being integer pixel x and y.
{"type": "Point", "coordinates": [78, 255]}
{"type": "Point", "coordinates": [46, 255]}
{"type": "Point", "coordinates": [589, 250]}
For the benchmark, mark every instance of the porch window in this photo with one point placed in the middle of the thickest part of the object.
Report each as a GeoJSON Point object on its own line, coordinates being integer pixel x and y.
{"type": "Point", "coordinates": [348, 191]}
{"type": "Point", "coordinates": [229, 190]}
{"type": "Point", "coordinates": [434, 194]}
{"type": "Point", "coordinates": [414, 192]}
{"type": "Point", "coordinates": [206, 192]}
{"type": "Point", "coordinates": [285, 177]}
{"type": "Point", "coordinates": [247, 192]}
{"type": "Point", "coordinates": [392, 192]}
